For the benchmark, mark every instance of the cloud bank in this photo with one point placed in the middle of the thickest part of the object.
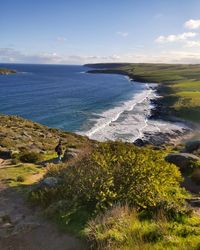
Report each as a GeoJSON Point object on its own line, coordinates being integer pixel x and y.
{"type": "Point", "coordinates": [8, 55]}
{"type": "Point", "coordinates": [175, 38]}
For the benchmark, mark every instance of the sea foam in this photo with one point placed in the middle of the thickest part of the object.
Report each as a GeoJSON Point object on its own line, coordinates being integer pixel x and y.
{"type": "Point", "coordinates": [129, 120]}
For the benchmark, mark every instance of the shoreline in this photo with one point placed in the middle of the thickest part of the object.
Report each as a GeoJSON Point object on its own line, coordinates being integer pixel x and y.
{"type": "Point", "coordinates": [157, 114]}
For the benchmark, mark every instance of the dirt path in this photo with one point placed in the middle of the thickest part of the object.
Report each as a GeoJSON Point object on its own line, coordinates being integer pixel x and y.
{"type": "Point", "coordinates": [22, 228]}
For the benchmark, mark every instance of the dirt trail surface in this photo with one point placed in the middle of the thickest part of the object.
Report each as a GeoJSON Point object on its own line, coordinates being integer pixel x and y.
{"type": "Point", "coordinates": [22, 227]}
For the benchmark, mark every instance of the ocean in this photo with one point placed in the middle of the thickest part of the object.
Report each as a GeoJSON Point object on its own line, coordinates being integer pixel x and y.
{"type": "Point", "coordinates": [101, 106]}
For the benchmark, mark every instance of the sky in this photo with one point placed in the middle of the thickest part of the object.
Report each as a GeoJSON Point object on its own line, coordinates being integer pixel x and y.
{"type": "Point", "coordinates": [91, 31]}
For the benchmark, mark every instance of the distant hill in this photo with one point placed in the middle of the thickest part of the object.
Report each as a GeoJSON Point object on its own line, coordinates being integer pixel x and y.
{"type": "Point", "coordinates": [178, 84]}
{"type": "Point", "coordinates": [106, 65]}
{"type": "Point", "coordinates": [7, 71]}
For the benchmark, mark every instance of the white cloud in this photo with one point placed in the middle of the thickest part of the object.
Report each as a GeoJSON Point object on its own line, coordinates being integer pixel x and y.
{"type": "Point", "coordinates": [191, 44]}
{"type": "Point", "coordinates": [123, 34]}
{"type": "Point", "coordinates": [192, 24]}
{"type": "Point", "coordinates": [175, 38]}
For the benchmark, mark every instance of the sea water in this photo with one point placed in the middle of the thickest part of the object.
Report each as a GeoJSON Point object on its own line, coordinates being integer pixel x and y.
{"type": "Point", "coordinates": [101, 106]}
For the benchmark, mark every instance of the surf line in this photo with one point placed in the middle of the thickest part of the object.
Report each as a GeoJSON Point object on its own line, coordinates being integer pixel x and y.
{"type": "Point", "coordinates": [101, 126]}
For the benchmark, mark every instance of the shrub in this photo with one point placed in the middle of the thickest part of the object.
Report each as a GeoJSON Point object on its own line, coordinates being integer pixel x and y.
{"type": "Point", "coordinates": [30, 157]}
{"type": "Point", "coordinates": [118, 172]}
{"type": "Point", "coordinates": [20, 178]}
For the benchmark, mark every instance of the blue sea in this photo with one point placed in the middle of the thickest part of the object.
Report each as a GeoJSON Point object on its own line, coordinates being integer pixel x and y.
{"type": "Point", "coordinates": [101, 106]}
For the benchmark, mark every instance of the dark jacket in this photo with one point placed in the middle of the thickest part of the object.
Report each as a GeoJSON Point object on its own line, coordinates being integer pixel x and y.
{"type": "Point", "coordinates": [58, 149]}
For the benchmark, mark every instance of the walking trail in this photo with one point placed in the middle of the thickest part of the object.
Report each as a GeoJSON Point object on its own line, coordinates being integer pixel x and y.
{"type": "Point", "coordinates": [22, 227]}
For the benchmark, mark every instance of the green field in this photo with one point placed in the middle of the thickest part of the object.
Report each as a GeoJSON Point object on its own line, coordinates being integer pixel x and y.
{"type": "Point", "coordinates": [178, 84]}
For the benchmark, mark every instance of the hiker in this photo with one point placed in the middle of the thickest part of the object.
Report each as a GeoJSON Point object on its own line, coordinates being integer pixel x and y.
{"type": "Point", "coordinates": [59, 150]}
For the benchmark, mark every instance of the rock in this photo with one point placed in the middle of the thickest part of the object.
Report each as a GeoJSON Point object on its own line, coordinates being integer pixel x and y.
{"type": "Point", "coordinates": [71, 153]}
{"type": "Point", "coordinates": [192, 146]}
{"type": "Point", "coordinates": [195, 202]}
{"type": "Point", "coordinates": [5, 154]}
{"type": "Point", "coordinates": [139, 143]}
{"type": "Point", "coordinates": [49, 182]}
{"type": "Point", "coordinates": [182, 160]}
{"type": "Point", "coordinates": [68, 156]}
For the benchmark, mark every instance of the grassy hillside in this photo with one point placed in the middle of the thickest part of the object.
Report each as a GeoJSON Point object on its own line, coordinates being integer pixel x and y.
{"type": "Point", "coordinates": [23, 135]}
{"type": "Point", "coordinates": [115, 195]}
{"type": "Point", "coordinates": [178, 84]}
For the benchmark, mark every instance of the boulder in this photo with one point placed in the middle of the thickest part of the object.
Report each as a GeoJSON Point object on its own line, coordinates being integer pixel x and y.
{"type": "Point", "coordinates": [139, 143]}
{"type": "Point", "coordinates": [5, 154]}
{"type": "Point", "coordinates": [49, 182]}
{"type": "Point", "coordinates": [183, 160]}
{"type": "Point", "coordinates": [192, 146]}
{"type": "Point", "coordinates": [71, 153]}
{"type": "Point", "coordinates": [68, 156]}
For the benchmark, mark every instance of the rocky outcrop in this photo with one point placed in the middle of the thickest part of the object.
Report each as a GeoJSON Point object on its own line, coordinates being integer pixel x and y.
{"type": "Point", "coordinates": [183, 160]}
{"type": "Point", "coordinates": [7, 71]}
{"type": "Point", "coordinates": [192, 146]}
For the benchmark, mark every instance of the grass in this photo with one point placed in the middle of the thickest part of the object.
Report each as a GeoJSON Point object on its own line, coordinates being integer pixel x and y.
{"type": "Point", "coordinates": [179, 85]}
{"type": "Point", "coordinates": [14, 173]}
{"type": "Point", "coordinates": [24, 135]}
{"type": "Point", "coordinates": [111, 171]}
{"type": "Point", "coordinates": [123, 228]}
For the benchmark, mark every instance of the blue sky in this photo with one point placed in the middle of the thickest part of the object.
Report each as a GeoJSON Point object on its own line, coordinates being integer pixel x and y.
{"type": "Point", "coordinates": [85, 31]}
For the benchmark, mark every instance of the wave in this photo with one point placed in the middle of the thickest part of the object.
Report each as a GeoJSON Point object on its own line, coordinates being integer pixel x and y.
{"type": "Point", "coordinates": [106, 125]}
{"type": "Point", "coordinates": [129, 120]}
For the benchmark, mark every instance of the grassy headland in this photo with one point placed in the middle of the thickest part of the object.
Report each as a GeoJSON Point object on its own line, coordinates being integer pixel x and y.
{"type": "Point", "coordinates": [114, 194]}
{"type": "Point", "coordinates": [7, 71]}
{"type": "Point", "coordinates": [179, 85]}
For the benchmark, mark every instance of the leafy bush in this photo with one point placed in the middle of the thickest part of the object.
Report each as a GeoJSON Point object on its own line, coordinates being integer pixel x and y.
{"type": "Point", "coordinates": [118, 172]}
{"type": "Point", "coordinates": [30, 157]}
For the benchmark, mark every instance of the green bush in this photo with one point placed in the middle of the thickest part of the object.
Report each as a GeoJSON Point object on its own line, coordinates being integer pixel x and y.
{"type": "Point", "coordinates": [118, 172]}
{"type": "Point", "coordinates": [30, 157]}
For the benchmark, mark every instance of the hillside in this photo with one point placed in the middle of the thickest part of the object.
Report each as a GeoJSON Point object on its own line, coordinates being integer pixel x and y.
{"type": "Point", "coordinates": [179, 85]}
{"type": "Point", "coordinates": [114, 195]}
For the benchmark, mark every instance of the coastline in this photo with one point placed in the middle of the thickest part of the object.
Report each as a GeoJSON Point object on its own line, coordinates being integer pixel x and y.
{"type": "Point", "coordinates": [5, 71]}
{"type": "Point", "coordinates": [158, 113]}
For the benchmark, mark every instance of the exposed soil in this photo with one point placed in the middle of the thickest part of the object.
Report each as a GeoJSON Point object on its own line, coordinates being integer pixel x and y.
{"type": "Point", "coordinates": [22, 227]}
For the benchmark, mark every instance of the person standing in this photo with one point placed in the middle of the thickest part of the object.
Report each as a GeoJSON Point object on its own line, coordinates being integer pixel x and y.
{"type": "Point", "coordinates": [59, 150]}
